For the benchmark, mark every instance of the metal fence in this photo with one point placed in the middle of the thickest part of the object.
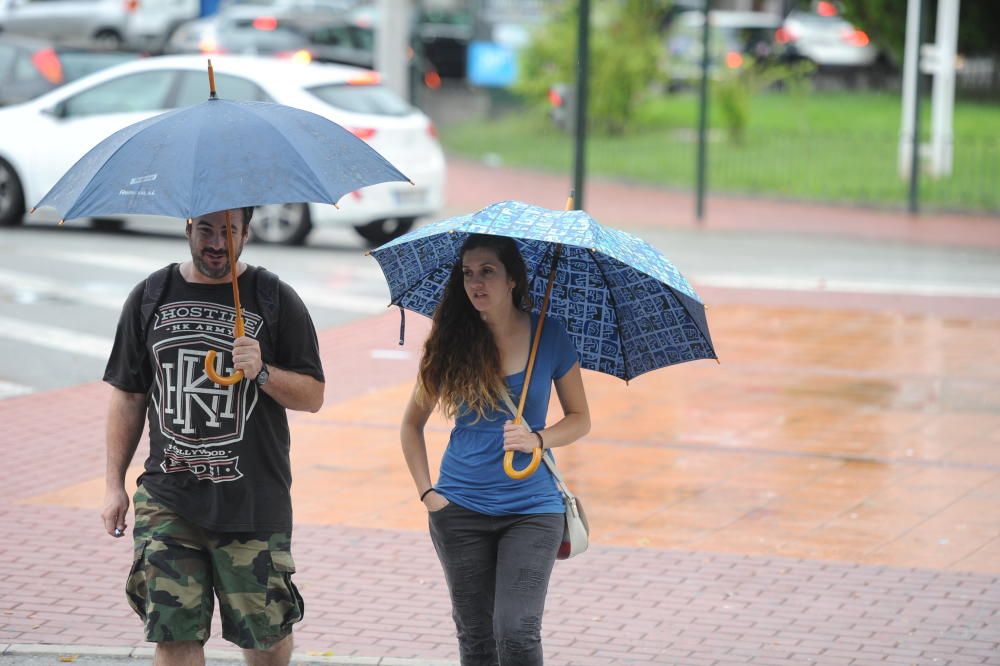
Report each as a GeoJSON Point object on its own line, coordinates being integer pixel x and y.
{"type": "Point", "coordinates": [817, 166]}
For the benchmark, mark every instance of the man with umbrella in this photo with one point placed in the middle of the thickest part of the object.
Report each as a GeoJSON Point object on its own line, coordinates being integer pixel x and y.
{"type": "Point", "coordinates": [213, 508]}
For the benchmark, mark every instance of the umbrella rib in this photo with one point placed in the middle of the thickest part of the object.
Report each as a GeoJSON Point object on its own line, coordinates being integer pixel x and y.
{"type": "Point", "coordinates": [65, 215]}
{"type": "Point", "coordinates": [694, 320]}
{"type": "Point", "coordinates": [614, 306]}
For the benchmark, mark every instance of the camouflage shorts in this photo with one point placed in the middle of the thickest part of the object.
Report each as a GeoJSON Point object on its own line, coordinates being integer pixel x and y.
{"type": "Point", "coordinates": [177, 566]}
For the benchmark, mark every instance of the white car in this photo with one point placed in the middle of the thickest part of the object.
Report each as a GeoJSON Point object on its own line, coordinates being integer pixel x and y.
{"type": "Point", "coordinates": [41, 139]}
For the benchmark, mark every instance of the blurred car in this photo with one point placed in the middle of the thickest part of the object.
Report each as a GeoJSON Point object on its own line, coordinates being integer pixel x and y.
{"type": "Point", "coordinates": [320, 37]}
{"type": "Point", "coordinates": [441, 36]}
{"type": "Point", "coordinates": [101, 21]}
{"type": "Point", "coordinates": [240, 32]}
{"type": "Point", "coordinates": [151, 23]}
{"type": "Point", "coordinates": [825, 38]}
{"type": "Point", "coordinates": [329, 7]}
{"type": "Point", "coordinates": [30, 67]}
{"type": "Point", "coordinates": [732, 37]}
{"type": "Point", "coordinates": [41, 139]}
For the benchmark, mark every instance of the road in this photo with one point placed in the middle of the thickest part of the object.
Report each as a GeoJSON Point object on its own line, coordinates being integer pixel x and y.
{"type": "Point", "coordinates": [61, 288]}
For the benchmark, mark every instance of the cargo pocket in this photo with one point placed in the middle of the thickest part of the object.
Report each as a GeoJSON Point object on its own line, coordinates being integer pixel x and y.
{"type": "Point", "coordinates": [136, 587]}
{"type": "Point", "coordinates": [284, 605]}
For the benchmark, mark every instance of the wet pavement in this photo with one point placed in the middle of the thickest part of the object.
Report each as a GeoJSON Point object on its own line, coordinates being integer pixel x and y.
{"type": "Point", "coordinates": [829, 493]}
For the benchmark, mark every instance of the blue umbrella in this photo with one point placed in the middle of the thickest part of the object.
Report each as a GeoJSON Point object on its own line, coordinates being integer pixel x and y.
{"type": "Point", "coordinates": [624, 305]}
{"type": "Point", "coordinates": [218, 155]}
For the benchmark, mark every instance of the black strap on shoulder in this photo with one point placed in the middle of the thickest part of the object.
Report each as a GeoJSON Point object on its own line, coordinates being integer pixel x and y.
{"type": "Point", "coordinates": [152, 295]}
{"type": "Point", "coordinates": [269, 301]}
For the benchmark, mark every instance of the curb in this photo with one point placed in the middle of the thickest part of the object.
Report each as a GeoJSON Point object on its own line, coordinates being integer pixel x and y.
{"type": "Point", "coordinates": [311, 657]}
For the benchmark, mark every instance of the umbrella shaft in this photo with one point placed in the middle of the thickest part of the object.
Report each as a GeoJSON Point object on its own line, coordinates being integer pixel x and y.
{"type": "Point", "coordinates": [233, 269]}
{"type": "Point", "coordinates": [538, 333]}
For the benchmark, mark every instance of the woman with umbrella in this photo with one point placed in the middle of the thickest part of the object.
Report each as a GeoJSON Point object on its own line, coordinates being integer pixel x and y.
{"type": "Point", "coordinates": [497, 537]}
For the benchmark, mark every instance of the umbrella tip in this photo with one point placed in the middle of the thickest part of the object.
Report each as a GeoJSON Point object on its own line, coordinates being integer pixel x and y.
{"type": "Point", "coordinates": [33, 209]}
{"type": "Point", "coordinates": [336, 206]}
{"type": "Point", "coordinates": [570, 200]}
{"type": "Point", "coordinates": [61, 222]}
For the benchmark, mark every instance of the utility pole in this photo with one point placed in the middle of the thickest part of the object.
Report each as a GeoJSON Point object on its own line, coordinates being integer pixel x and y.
{"type": "Point", "coordinates": [909, 136]}
{"type": "Point", "coordinates": [392, 43]}
{"type": "Point", "coordinates": [943, 91]}
{"type": "Point", "coordinates": [582, 72]}
{"type": "Point", "coordinates": [699, 210]}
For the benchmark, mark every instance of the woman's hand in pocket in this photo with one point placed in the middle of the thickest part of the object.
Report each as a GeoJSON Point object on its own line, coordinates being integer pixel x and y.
{"type": "Point", "coordinates": [435, 502]}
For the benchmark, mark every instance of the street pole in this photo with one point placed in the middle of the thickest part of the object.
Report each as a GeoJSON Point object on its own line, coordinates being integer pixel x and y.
{"type": "Point", "coordinates": [943, 90]}
{"type": "Point", "coordinates": [582, 69]}
{"type": "Point", "coordinates": [702, 118]}
{"type": "Point", "coordinates": [392, 40]}
{"type": "Point", "coordinates": [909, 135]}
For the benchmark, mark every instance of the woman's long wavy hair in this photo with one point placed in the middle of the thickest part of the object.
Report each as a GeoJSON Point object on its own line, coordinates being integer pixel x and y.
{"type": "Point", "coordinates": [461, 362]}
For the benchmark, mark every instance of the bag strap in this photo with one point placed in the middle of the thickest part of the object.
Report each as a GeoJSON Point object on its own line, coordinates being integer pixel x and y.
{"type": "Point", "coordinates": [152, 295]}
{"type": "Point", "coordinates": [269, 301]}
{"type": "Point", "coordinates": [549, 459]}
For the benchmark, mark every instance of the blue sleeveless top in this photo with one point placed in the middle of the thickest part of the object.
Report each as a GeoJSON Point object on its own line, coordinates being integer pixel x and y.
{"type": "Point", "coordinates": [472, 473]}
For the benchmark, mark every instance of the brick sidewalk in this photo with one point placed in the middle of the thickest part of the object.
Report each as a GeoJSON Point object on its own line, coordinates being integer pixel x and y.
{"type": "Point", "coordinates": [473, 185]}
{"type": "Point", "coordinates": [831, 499]}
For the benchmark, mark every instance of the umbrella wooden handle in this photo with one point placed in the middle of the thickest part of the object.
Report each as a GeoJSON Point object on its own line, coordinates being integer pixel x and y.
{"type": "Point", "coordinates": [210, 372]}
{"type": "Point", "coordinates": [238, 328]}
{"type": "Point", "coordinates": [508, 464]}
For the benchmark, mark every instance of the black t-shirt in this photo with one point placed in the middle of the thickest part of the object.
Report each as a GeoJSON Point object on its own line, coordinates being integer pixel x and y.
{"type": "Point", "coordinates": [218, 455]}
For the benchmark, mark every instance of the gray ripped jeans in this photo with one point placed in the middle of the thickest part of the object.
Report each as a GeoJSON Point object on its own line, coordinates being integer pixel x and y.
{"type": "Point", "coordinates": [497, 569]}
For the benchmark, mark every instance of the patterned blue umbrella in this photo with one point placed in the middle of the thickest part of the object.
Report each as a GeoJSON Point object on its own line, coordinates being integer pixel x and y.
{"type": "Point", "coordinates": [625, 306]}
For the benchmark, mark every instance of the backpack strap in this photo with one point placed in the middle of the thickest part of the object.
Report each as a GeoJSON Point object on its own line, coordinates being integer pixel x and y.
{"type": "Point", "coordinates": [155, 287]}
{"type": "Point", "coordinates": [269, 301]}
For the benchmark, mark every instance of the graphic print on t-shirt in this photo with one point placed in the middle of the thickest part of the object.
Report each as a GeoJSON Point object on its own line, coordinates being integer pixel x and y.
{"type": "Point", "coordinates": [201, 420]}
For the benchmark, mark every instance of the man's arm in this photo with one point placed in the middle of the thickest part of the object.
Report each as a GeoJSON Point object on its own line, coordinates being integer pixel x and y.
{"type": "Point", "coordinates": [292, 390]}
{"type": "Point", "coordinates": [125, 416]}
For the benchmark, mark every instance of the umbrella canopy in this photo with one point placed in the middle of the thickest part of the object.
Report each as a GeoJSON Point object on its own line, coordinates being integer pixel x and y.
{"type": "Point", "coordinates": [219, 155]}
{"type": "Point", "coordinates": [625, 306]}
{"type": "Point", "coordinates": [215, 156]}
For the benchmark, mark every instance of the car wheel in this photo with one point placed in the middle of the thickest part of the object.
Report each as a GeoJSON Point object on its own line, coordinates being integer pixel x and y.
{"type": "Point", "coordinates": [383, 231]}
{"type": "Point", "coordinates": [108, 39]}
{"type": "Point", "coordinates": [282, 224]}
{"type": "Point", "coordinates": [107, 224]}
{"type": "Point", "coordinates": [11, 196]}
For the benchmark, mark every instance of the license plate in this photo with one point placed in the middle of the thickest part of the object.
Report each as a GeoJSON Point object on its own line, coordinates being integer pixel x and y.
{"type": "Point", "coordinates": [411, 195]}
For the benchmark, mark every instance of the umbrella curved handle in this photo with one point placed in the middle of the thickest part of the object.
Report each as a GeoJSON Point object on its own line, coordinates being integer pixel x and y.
{"type": "Point", "coordinates": [508, 464]}
{"type": "Point", "coordinates": [216, 377]}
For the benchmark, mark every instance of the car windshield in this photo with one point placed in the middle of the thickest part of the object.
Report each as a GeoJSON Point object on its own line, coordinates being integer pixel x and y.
{"type": "Point", "coordinates": [372, 99]}
{"type": "Point", "coordinates": [77, 64]}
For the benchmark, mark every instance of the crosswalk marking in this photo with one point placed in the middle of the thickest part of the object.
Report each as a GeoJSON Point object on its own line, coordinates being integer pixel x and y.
{"type": "Point", "coordinates": [29, 283]}
{"type": "Point", "coordinates": [53, 337]}
{"type": "Point", "coordinates": [11, 389]}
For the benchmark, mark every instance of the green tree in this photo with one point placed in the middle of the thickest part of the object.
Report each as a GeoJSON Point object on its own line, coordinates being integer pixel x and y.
{"type": "Point", "coordinates": [885, 22]}
{"type": "Point", "coordinates": [624, 49]}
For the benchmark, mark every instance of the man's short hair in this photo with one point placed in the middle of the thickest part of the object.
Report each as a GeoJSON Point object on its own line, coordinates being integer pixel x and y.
{"type": "Point", "coordinates": [247, 216]}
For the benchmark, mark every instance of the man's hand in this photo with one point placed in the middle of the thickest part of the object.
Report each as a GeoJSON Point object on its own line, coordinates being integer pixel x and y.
{"type": "Point", "coordinates": [115, 511]}
{"type": "Point", "coordinates": [246, 356]}
{"type": "Point", "coordinates": [518, 438]}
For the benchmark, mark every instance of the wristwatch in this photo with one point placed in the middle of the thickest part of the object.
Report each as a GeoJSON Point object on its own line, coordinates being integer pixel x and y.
{"type": "Point", "coordinates": [262, 376]}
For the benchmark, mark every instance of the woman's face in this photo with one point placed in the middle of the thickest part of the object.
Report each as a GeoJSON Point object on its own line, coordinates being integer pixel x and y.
{"type": "Point", "coordinates": [486, 281]}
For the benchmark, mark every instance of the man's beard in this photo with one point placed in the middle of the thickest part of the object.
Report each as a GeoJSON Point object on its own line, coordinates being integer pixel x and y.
{"type": "Point", "coordinates": [210, 271]}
